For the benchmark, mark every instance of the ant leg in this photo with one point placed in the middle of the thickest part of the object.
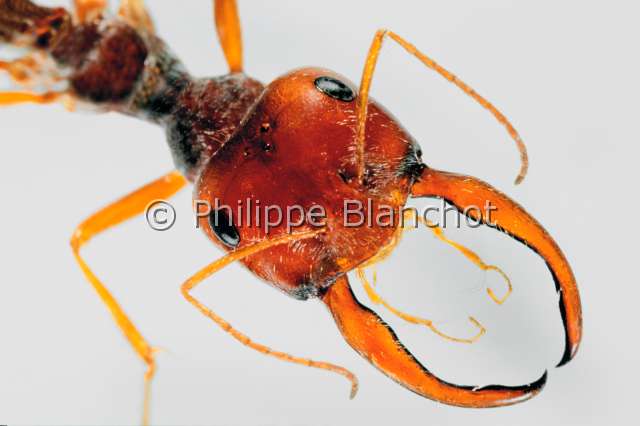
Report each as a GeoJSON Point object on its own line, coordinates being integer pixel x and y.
{"type": "Point", "coordinates": [365, 85]}
{"type": "Point", "coordinates": [87, 10]}
{"type": "Point", "coordinates": [240, 254]}
{"type": "Point", "coordinates": [114, 214]}
{"type": "Point", "coordinates": [368, 334]}
{"type": "Point", "coordinates": [135, 12]}
{"type": "Point", "coordinates": [378, 300]}
{"type": "Point", "coordinates": [467, 193]}
{"type": "Point", "coordinates": [14, 98]}
{"type": "Point", "coordinates": [21, 69]}
{"type": "Point", "coordinates": [229, 32]}
{"type": "Point", "coordinates": [24, 71]}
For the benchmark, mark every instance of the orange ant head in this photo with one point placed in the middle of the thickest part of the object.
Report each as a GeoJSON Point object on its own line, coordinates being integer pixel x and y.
{"type": "Point", "coordinates": [294, 155]}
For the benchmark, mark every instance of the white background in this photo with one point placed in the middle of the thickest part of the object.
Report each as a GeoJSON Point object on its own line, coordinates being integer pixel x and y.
{"type": "Point", "coordinates": [564, 72]}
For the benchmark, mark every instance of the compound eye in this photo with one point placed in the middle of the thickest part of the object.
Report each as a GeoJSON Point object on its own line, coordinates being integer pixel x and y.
{"type": "Point", "coordinates": [335, 88]}
{"type": "Point", "coordinates": [222, 226]}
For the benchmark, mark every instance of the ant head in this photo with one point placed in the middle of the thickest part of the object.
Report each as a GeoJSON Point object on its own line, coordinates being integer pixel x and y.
{"type": "Point", "coordinates": [295, 152]}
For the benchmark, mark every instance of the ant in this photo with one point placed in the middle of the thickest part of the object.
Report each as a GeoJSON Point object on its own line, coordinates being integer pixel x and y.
{"type": "Point", "coordinates": [309, 137]}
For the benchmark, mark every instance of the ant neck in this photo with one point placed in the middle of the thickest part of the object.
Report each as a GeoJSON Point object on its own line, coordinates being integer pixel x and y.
{"type": "Point", "coordinates": [201, 115]}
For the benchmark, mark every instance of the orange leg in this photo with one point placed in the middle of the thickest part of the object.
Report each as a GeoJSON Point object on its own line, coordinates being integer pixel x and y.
{"type": "Point", "coordinates": [509, 217]}
{"type": "Point", "coordinates": [229, 32]}
{"type": "Point", "coordinates": [114, 214]}
{"type": "Point", "coordinates": [365, 85]}
{"type": "Point", "coordinates": [135, 12]}
{"type": "Point", "coordinates": [14, 98]}
{"type": "Point", "coordinates": [375, 341]}
{"type": "Point", "coordinates": [239, 254]}
{"type": "Point", "coordinates": [20, 70]}
{"type": "Point", "coordinates": [28, 71]}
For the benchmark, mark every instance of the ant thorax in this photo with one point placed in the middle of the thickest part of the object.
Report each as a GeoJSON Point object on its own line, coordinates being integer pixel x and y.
{"type": "Point", "coordinates": [109, 65]}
